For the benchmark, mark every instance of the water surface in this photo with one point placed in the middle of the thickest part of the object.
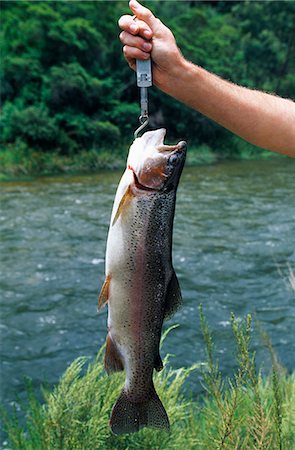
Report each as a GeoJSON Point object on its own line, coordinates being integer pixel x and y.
{"type": "Point", "coordinates": [233, 239]}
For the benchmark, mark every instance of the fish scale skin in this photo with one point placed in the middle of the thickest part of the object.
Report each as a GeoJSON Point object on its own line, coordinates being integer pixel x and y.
{"type": "Point", "coordinates": [138, 286]}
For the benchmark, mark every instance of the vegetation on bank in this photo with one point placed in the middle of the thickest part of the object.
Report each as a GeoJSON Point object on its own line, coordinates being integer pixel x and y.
{"type": "Point", "coordinates": [244, 411]}
{"type": "Point", "coordinates": [22, 161]}
{"type": "Point", "coordinates": [70, 100]}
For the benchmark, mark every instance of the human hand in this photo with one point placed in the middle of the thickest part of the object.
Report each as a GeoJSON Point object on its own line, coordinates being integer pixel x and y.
{"type": "Point", "coordinates": [148, 37]}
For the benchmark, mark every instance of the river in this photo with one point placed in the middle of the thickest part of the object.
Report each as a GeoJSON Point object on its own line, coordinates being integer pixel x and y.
{"type": "Point", "coordinates": [234, 238]}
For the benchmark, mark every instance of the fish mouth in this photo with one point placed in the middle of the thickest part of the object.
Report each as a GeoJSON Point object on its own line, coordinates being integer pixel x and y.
{"type": "Point", "coordinates": [182, 146]}
{"type": "Point", "coordinates": [168, 149]}
{"type": "Point", "coordinates": [154, 138]}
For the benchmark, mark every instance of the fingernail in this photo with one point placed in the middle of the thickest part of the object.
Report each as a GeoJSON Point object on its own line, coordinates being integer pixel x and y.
{"type": "Point", "coordinates": [133, 3]}
{"type": "Point", "coordinates": [147, 34]}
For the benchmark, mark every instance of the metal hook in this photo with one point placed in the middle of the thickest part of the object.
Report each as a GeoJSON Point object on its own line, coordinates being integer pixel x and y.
{"type": "Point", "coordinates": [144, 120]}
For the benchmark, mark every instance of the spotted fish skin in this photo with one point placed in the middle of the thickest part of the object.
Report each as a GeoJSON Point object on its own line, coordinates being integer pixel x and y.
{"type": "Point", "coordinates": [141, 287]}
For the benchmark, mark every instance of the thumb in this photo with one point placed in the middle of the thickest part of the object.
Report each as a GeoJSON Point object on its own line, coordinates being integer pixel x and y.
{"type": "Point", "coordinates": [143, 13]}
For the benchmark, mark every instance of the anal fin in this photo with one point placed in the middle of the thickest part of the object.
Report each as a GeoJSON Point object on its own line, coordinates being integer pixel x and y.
{"type": "Point", "coordinates": [104, 293]}
{"type": "Point", "coordinates": [112, 359]}
{"type": "Point", "coordinates": [173, 297]}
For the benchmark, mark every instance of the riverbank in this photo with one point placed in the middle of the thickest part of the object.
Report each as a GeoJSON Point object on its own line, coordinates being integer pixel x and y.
{"type": "Point", "coordinates": [241, 411]}
{"type": "Point", "coordinates": [19, 161]}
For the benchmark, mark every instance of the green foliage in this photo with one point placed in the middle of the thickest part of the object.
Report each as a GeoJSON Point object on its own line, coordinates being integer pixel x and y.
{"type": "Point", "coordinates": [246, 412]}
{"type": "Point", "coordinates": [34, 126]}
{"type": "Point", "coordinates": [66, 88]}
{"type": "Point", "coordinates": [58, 88]}
{"type": "Point", "coordinates": [71, 87]}
{"type": "Point", "coordinates": [241, 412]}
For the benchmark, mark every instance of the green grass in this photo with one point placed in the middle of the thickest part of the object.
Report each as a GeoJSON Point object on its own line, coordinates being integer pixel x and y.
{"type": "Point", "coordinates": [241, 412]}
{"type": "Point", "coordinates": [20, 161]}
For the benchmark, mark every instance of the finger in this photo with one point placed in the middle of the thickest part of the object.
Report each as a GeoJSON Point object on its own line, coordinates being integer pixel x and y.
{"type": "Point", "coordinates": [143, 13]}
{"type": "Point", "coordinates": [134, 27]}
{"type": "Point", "coordinates": [135, 41]}
{"type": "Point", "coordinates": [131, 53]}
{"type": "Point", "coordinates": [131, 62]}
{"type": "Point", "coordinates": [128, 24]}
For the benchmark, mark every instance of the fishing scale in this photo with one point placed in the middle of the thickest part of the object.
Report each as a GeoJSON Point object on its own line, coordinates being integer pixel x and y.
{"type": "Point", "coordinates": [144, 80]}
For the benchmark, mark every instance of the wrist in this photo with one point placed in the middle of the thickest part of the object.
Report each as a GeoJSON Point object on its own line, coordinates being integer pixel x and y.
{"type": "Point", "coordinates": [181, 78]}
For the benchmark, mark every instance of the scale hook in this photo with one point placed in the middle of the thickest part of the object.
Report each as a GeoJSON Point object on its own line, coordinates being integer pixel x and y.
{"type": "Point", "coordinates": [144, 120]}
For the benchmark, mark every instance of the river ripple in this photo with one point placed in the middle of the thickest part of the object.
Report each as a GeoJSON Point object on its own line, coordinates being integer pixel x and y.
{"type": "Point", "coordinates": [233, 239]}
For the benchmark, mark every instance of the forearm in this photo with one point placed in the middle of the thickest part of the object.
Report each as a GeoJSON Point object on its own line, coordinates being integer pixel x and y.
{"type": "Point", "coordinates": [262, 119]}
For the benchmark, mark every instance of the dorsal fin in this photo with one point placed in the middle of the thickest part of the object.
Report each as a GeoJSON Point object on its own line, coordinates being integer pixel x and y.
{"type": "Point", "coordinates": [104, 293]}
{"type": "Point", "coordinates": [173, 297]}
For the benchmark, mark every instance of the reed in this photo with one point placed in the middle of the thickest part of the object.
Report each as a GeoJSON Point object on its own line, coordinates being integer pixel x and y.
{"type": "Point", "coordinates": [244, 411]}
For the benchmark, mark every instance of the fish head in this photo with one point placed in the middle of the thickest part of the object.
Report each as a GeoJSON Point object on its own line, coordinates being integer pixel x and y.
{"type": "Point", "coordinates": [156, 166]}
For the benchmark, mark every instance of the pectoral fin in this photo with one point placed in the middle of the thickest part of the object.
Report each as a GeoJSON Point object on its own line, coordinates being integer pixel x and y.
{"type": "Point", "coordinates": [104, 293]}
{"type": "Point", "coordinates": [173, 297]}
{"type": "Point", "coordinates": [112, 359]}
{"type": "Point", "coordinates": [125, 200]}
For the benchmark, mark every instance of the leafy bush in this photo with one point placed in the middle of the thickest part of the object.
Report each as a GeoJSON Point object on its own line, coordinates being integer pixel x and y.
{"type": "Point", "coordinates": [34, 126]}
{"type": "Point", "coordinates": [244, 411]}
{"type": "Point", "coordinates": [66, 56]}
{"type": "Point", "coordinates": [20, 74]}
{"type": "Point", "coordinates": [70, 86]}
{"type": "Point", "coordinates": [89, 133]}
{"type": "Point", "coordinates": [125, 115]}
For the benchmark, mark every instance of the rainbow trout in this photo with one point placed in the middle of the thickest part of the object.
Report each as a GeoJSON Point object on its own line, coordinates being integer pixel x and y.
{"type": "Point", "coordinates": [141, 287]}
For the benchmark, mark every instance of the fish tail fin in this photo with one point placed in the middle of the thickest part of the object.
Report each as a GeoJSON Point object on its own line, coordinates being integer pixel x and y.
{"type": "Point", "coordinates": [129, 417]}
